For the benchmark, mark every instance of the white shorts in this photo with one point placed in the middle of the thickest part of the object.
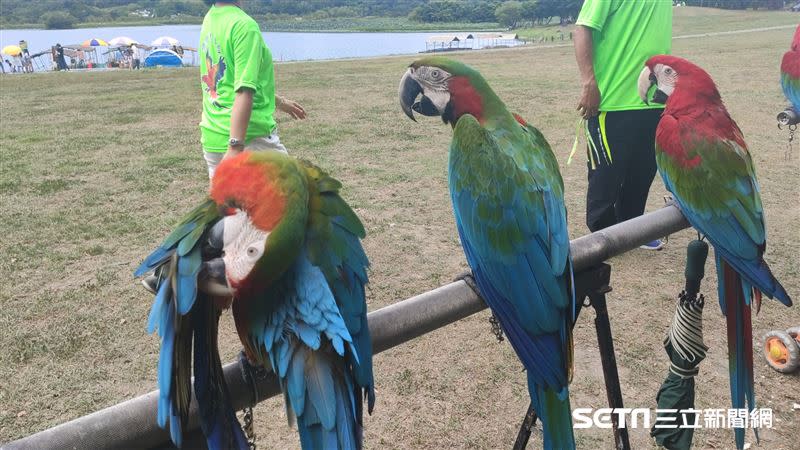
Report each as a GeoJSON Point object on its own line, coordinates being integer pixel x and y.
{"type": "Point", "coordinates": [271, 142]}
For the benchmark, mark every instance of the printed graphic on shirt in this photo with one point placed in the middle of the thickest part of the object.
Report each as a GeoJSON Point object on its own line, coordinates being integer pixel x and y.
{"type": "Point", "coordinates": [214, 72]}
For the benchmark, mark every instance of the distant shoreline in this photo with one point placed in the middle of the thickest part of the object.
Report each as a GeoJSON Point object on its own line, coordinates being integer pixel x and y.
{"type": "Point", "coordinates": [268, 27]}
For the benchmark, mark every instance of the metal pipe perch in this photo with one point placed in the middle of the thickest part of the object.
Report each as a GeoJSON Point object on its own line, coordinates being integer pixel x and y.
{"type": "Point", "coordinates": [132, 424]}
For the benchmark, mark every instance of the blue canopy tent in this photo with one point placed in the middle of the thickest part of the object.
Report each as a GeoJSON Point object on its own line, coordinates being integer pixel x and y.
{"type": "Point", "coordinates": [163, 57]}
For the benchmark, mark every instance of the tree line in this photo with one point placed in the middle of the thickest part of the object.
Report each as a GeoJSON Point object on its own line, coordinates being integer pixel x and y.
{"type": "Point", "coordinates": [513, 13]}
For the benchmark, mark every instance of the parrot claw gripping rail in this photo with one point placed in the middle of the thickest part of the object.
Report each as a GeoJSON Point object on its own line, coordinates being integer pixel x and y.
{"type": "Point", "coordinates": [132, 424]}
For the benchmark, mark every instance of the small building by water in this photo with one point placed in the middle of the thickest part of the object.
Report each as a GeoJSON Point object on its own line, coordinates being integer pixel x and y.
{"type": "Point", "coordinates": [470, 41]}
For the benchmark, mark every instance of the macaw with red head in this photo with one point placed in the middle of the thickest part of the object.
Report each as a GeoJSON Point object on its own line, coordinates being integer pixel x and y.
{"type": "Point", "coordinates": [790, 73]}
{"type": "Point", "coordinates": [704, 162]}
{"type": "Point", "coordinates": [277, 233]}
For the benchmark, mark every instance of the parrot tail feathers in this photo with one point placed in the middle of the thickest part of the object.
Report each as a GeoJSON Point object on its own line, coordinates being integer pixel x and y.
{"type": "Point", "coordinates": [327, 417]}
{"type": "Point", "coordinates": [733, 295]}
{"type": "Point", "coordinates": [554, 411]}
{"type": "Point", "coordinates": [217, 417]}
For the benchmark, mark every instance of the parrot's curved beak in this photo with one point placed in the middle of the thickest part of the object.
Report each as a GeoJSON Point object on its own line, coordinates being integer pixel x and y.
{"type": "Point", "coordinates": [212, 277]}
{"type": "Point", "coordinates": [212, 272]}
{"type": "Point", "coordinates": [409, 91]}
{"type": "Point", "coordinates": [647, 79]}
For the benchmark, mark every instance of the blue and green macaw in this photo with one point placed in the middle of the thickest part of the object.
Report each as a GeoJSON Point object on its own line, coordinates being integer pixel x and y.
{"type": "Point", "coordinates": [508, 200]}
{"type": "Point", "coordinates": [703, 160]}
{"type": "Point", "coordinates": [287, 248]}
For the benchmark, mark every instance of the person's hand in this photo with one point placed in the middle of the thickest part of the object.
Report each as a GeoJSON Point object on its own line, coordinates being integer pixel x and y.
{"type": "Point", "coordinates": [590, 100]}
{"type": "Point", "coordinates": [233, 151]}
{"type": "Point", "coordinates": [290, 107]}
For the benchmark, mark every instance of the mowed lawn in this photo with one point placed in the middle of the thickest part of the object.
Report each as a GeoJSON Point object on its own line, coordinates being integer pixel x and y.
{"type": "Point", "coordinates": [95, 168]}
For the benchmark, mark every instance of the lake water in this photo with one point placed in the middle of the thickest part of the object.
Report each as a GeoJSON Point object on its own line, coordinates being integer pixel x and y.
{"type": "Point", "coordinates": [284, 46]}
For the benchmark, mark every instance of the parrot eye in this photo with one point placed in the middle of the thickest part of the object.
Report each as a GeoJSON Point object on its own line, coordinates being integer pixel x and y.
{"type": "Point", "coordinates": [668, 71]}
{"type": "Point", "coordinates": [435, 74]}
{"type": "Point", "coordinates": [252, 251]}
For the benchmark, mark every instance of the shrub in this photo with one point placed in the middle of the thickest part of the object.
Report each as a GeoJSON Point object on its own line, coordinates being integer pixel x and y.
{"type": "Point", "coordinates": [58, 20]}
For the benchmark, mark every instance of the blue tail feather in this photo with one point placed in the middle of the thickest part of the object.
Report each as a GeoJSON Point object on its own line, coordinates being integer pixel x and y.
{"type": "Point", "coordinates": [328, 417]}
{"type": "Point", "coordinates": [217, 417]}
{"type": "Point", "coordinates": [734, 294]}
{"type": "Point", "coordinates": [554, 411]}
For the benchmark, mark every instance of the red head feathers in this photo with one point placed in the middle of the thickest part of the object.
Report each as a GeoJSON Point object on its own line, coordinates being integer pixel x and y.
{"type": "Point", "coordinates": [690, 83]}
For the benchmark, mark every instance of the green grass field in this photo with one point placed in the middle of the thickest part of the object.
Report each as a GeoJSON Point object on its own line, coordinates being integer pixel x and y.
{"type": "Point", "coordinates": [96, 167]}
{"type": "Point", "coordinates": [687, 21]}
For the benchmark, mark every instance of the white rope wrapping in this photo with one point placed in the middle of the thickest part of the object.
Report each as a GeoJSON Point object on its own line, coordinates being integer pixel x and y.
{"type": "Point", "coordinates": [686, 336]}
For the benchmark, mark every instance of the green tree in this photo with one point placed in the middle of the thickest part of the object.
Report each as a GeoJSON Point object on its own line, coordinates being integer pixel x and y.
{"type": "Point", "coordinates": [58, 20]}
{"type": "Point", "coordinates": [509, 13]}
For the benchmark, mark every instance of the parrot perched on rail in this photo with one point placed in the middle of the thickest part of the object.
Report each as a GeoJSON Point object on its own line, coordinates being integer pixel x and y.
{"type": "Point", "coordinates": [508, 200]}
{"type": "Point", "coordinates": [289, 248]}
{"type": "Point", "coordinates": [705, 164]}
{"type": "Point", "coordinates": [790, 72]}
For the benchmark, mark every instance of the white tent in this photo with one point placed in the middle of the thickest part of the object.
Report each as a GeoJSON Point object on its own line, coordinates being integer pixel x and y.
{"type": "Point", "coordinates": [122, 41]}
{"type": "Point", "coordinates": [165, 41]}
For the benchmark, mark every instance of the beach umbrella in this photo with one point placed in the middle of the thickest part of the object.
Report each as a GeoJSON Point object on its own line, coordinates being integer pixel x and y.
{"type": "Point", "coordinates": [12, 50]}
{"type": "Point", "coordinates": [685, 348]}
{"type": "Point", "coordinates": [122, 40]}
{"type": "Point", "coordinates": [165, 41]}
{"type": "Point", "coordinates": [94, 42]}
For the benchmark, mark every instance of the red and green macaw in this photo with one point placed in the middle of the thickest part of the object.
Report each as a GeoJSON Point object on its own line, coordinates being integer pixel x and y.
{"type": "Point", "coordinates": [704, 162]}
{"type": "Point", "coordinates": [790, 72]}
{"type": "Point", "coordinates": [508, 200]}
{"type": "Point", "coordinates": [289, 248]}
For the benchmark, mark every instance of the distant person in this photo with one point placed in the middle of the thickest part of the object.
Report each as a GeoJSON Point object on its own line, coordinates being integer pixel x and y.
{"type": "Point", "coordinates": [23, 45]}
{"type": "Point", "coordinates": [27, 63]}
{"type": "Point", "coordinates": [238, 81]}
{"type": "Point", "coordinates": [17, 62]}
{"type": "Point", "coordinates": [10, 66]}
{"type": "Point", "coordinates": [60, 61]}
{"type": "Point", "coordinates": [135, 61]}
{"type": "Point", "coordinates": [613, 39]}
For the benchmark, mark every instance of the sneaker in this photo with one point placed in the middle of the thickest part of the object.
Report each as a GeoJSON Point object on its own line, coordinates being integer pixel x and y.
{"type": "Point", "coordinates": [658, 244]}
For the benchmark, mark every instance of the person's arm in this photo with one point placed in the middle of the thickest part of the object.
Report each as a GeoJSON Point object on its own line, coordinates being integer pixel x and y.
{"type": "Point", "coordinates": [289, 107]}
{"type": "Point", "coordinates": [240, 118]}
{"type": "Point", "coordinates": [590, 94]}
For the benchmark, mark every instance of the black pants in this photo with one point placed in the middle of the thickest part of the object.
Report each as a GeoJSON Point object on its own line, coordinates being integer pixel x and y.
{"type": "Point", "coordinates": [625, 165]}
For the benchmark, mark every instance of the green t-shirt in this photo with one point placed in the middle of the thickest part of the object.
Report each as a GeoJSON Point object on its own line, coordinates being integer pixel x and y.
{"type": "Point", "coordinates": [625, 33]}
{"type": "Point", "coordinates": [235, 57]}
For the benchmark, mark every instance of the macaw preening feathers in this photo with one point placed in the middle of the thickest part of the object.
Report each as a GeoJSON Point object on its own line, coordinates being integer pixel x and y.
{"type": "Point", "coordinates": [704, 161]}
{"type": "Point", "coordinates": [276, 231]}
{"type": "Point", "coordinates": [790, 72]}
{"type": "Point", "coordinates": [508, 201]}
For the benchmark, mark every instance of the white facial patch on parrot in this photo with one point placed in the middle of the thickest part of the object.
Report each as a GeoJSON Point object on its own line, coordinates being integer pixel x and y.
{"type": "Point", "coordinates": [434, 84]}
{"type": "Point", "coordinates": [667, 78]}
{"type": "Point", "coordinates": [243, 245]}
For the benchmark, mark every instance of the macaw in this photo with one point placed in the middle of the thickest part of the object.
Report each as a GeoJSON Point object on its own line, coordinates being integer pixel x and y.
{"type": "Point", "coordinates": [704, 162]}
{"type": "Point", "coordinates": [790, 72]}
{"type": "Point", "coordinates": [508, 201]}
{"type": "Point", "coordinates": [289, 249]}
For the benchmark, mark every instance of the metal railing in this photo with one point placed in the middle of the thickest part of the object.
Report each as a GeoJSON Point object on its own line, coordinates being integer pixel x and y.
{"type": "Point", "coordinates": [132, 424]}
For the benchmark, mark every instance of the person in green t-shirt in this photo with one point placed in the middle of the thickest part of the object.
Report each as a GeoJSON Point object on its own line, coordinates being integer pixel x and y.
{"type": "Point", "coordinates": [238, 81]}
{"type": "Point", "coordinates": [613, 39]}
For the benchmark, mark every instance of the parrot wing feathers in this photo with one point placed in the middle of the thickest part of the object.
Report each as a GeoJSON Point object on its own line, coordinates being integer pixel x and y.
{"type": "Point", "coordinates": [790, 77]}
{"type": "Point", "coordinates": [177, 263]}
{"type": "Point", "coordinates": [333, 243]}
{"type": "Point", "coordinates": [713, 180]}
{"type": "Point", "coordinates": [507, 197]}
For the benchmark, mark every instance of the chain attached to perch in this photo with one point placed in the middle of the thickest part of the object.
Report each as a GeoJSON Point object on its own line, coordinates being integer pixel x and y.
{"type": "Point", "coordinates": [249, 430]}
{"type": "Point", "coordinates": [496, 330]}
